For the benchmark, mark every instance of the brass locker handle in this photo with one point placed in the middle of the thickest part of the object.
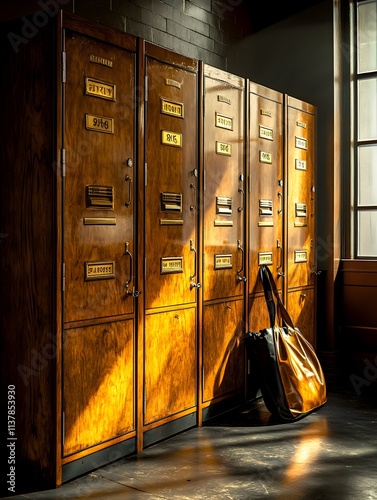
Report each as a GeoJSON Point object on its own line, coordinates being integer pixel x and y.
{"type": "Point", "coordinates": [127, 284]}
{"type": "Point", "coordinates": [128, 179]}
{"type": "Point", "coordinates": [281, 259]}
{"type": "Point", "coordinates": [192, 283]}
{"type": "Point", "coordinates": [240, 190]}
{"type": "Point", "coordinates": [192, 186]}
{"type": "Point", "coordinates": [240, 278]}
{"type": "Point", "coordinates": [133, 292]}
{"type": "Point", "coordinates": [280, 196]}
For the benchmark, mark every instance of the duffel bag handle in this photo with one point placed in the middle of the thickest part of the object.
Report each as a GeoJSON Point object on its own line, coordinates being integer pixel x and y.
{"type": "Point", "coordinates": [270, 290]}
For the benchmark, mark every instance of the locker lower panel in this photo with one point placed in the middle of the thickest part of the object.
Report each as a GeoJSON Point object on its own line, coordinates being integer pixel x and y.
{"type": "Point", "coordinates": [169, 429]}
{"type": "Point", "coordinates": [169, 364]}
{"type": "Point", "coordinates": [301, 307]}
{"type": "Point", "coordinates": [98, 459]}
{"type": "Point", "coordinates": [223, 355]}
{"type": "Point", "coordinates": [223, 406]}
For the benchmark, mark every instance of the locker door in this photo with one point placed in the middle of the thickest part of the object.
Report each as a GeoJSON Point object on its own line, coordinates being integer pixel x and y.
{"type": "Point", "coordinates": [99, 249]}
{"type": "Point", "coordinates": [99, 181]}
{"type": "Point", "coordinates": [171, 185]}
{"type": "Point", "coordinates": [266, 184]}
{"type": "Point", "coordinates": [171, 277]}
{"type": "Point", "coordinates": [223, 235]}
{"type": "Point", "coordinates": [224, 185]}
{"type": "Point", "coordinates": [300, 123]}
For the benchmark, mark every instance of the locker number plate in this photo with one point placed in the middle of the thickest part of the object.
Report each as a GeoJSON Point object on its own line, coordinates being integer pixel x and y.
{"type": "Point", "coordinates": [98, 88]}
{"type": "Point", "coordinates": [223, 261]}
{"type": "Point", "coordinates": [171, 138]}
{"type": "Point", "coordinates": [223, 121]}
{"type": "Point", "coordinates": [171, 108]}
{"type": "Point", "coordinates": [99, 124]}
{"type": "Point", "coordinates": [102, 270]}
{"type": "Point", "coordinates": [301, 256]}
{"type": "Point", "coordinates": [223, 148]}
{"type": "Point", "coordinates": [265, 258]}
{"type": "Point", "coordinates": [171, 265]}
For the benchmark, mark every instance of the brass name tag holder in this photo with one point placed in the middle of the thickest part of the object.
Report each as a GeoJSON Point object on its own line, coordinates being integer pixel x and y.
{"type": "Point", "coordinates": [98, 88]}
{"type": "Point", "coordinates": [301, 143]}
{"type": "Point", "coordinates": [170, 265]}
{"type": "Point", "coordinates": [265, 258]}
{"type": "Point", "coordinates": [266, 133]}
{"type": "Point", "coordinates": [265, 157]}
{"type": "Point", "coordinates": [223, 121]}
{"type": "Point", "coordinates": [223, 261]}
{"type": "Point", "coordinates": [301, 256]}
{"type": "Point", "coordinates": [172, 108]}
{"type": "Point", "coordinates": [100, 270]}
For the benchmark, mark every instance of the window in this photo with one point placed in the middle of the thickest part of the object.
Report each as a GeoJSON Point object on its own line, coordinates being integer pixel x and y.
{"type": "Point", "coordinates": [365, 172]}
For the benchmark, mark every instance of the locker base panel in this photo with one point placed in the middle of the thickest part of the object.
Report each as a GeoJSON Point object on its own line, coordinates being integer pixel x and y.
{"type": "Point", "coordinates": [170, 429]}
{"type": "Point", "coordinates": [98, 459]}
{"type": "Point", "coordinates": [222, 406]}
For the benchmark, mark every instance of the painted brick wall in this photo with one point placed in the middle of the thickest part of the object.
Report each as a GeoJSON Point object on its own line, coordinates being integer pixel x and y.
{"type": "Point", "coordinates": [202, 29]}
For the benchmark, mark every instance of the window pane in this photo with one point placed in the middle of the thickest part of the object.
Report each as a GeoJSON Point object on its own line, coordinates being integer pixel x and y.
{"type": "Point", "coordinates": [367, 99]}
{"type": "Point", "coordinates": [367, 180]}
{"type": "Point", "coordinates": [367, 237]}
{"type": "Point", "coordinates": [367, 39]}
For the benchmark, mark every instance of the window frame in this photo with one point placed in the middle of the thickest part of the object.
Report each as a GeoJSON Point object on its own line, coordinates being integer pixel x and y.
{"type": "Point", "coordinates": [357, 208]}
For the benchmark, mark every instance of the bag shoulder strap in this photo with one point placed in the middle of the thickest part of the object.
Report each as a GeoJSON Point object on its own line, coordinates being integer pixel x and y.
{"type": "Point", "coordinates": [271, 291]}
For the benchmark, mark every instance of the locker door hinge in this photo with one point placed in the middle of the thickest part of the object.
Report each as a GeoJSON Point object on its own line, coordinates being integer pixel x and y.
{"type": "Point", "coordinates": [145, 174]}
{"type": "Point", "coordinates": [63, 427]}
{"type": "Point", "coordinates": [146, 89]}
{"type": "Point", "coordinates": [63, 277]}
{"type": "Point", "coordinates": [64, 67]}
{"type": "Point", "coordinates": [63, 162]}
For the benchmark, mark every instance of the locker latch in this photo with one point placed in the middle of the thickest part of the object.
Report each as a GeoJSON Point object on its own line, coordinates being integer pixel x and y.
{"type": "Point", "coordinates": [133, 292]}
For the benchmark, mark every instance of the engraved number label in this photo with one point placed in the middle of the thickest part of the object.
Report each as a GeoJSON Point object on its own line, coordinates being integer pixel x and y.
{"type": "Point", "coordinates": [99, 123]}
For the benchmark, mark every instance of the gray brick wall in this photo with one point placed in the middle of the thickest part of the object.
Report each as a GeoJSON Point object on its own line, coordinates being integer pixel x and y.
{"type": "Point", "coordinates": [202, 29]}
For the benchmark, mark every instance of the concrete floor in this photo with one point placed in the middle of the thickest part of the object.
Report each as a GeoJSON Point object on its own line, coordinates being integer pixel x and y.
{"type": "Point", "coordinates": [330, 454]}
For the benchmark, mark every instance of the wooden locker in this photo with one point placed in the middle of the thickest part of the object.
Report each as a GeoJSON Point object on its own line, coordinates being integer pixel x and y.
{"type": "Point", "coordinates": [69, 338]}
{"type": "Point", "coordinates": [171, 270]}
{"type": "Point", "coordinates": [300, 229]}
{"type": "Point", "coordinates": [223, 233]}
{"type": "Point", "coordinates": [266, 185]}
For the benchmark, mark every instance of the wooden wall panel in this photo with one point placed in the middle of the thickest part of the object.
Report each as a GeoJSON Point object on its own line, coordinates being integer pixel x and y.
{"type": "Point", "coordinates": [28, 240]}
{"type": "Point", "coordinates": [357, 310]}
